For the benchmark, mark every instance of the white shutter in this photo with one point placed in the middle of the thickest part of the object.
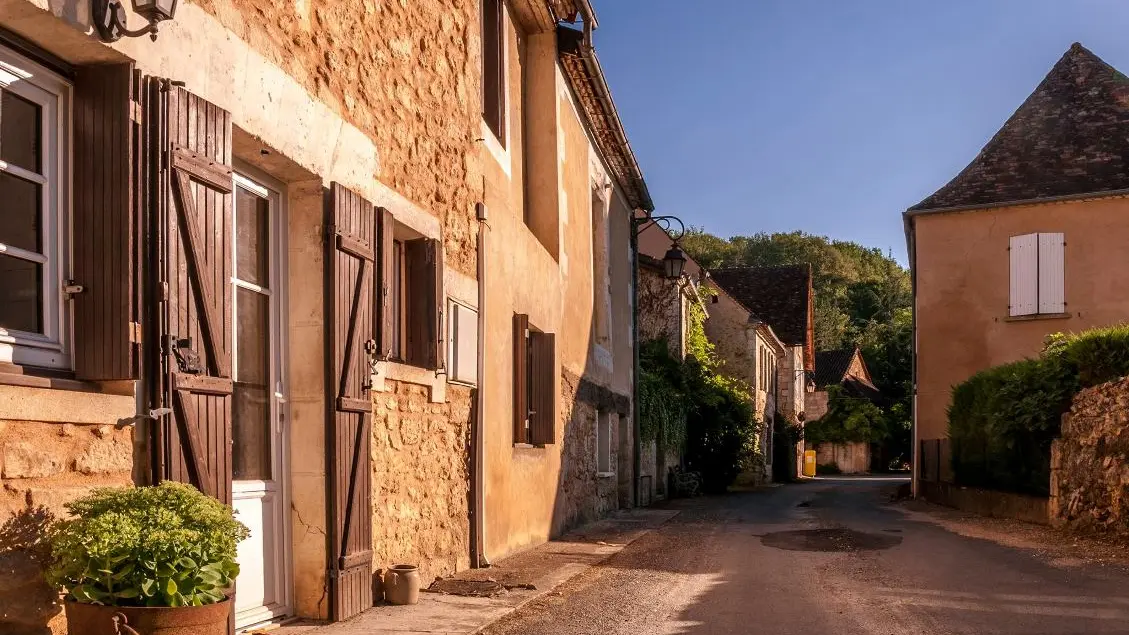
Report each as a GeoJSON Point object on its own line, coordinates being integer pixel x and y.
{"type": "Point", "coordinates": [1024, 275]}
{"type": "Point", "coordinates": [1052, 273]}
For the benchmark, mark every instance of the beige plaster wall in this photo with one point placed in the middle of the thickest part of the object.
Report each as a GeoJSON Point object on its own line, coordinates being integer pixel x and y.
{"type": "Point", "coordinates": [55, 446]}
{"type": "Point", "coordinates": [850, 458]}
{"type": "Point", "coordinates": [963, 283]}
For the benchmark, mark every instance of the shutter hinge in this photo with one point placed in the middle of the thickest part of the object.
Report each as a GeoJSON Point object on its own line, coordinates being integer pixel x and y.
{"type": "Point", "coordinates": [135, 332]}
{"type": "Point", "coordinates": [72, 289]}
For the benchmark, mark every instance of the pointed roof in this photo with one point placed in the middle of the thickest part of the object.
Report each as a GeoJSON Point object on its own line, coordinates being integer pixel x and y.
{"type": "Point", "coordinates": [1070, 137]}
{"type": "Point", "coordinates": [781, 296]}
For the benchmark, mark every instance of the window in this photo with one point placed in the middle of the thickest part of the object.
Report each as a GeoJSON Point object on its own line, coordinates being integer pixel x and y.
{"type": "Point", "coordinates": [535, 386]}
{"type": "Point", "coordinates": [601, 292]}
{"type": "Point", "coordinates": [463, 354]}
{"type": "Point", "coordinates": [1037, 274]}
{"type": "Point", "coordinates": [411, 300]}
{"type": "Point", "coordinates": [493, 67]}
{"type": "Point", "coordinates": [604, 427]}
{"type": "Point", "coordinates": [33, 142]}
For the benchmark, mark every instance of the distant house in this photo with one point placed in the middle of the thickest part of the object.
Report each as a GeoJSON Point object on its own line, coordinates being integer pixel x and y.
{"type": "Point", "coordinates": [846, 369]}
{"type": "Point", "coordinates": [784, 299]}
{"type": "Point", "coordinates": [752, 353]}
{"type": "Point", "coordinates": [1026, 240]}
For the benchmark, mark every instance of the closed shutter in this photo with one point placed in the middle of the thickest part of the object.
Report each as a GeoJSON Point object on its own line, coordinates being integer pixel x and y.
{"type": "Point", "coordinates": [543, 388]}
{"type": "Point", "coordinates": [425, 293]}
{"type": "Point", "coordinates": [493, 67]}
{"type": "Point", "coordinates": [1024, 253]}
{"type": "Point", "coordinates": [104, 236]}
{"type": "Point", "coordinates": [189, 207]}
{"type": "Point", "coordinates": [385, 266]}
{"type": "Point", "coordinates": [521, 378]}
{"type": "Point", "coordinates": [1052, 273]}
{"type": "Point", "coordinates": [349, 268]}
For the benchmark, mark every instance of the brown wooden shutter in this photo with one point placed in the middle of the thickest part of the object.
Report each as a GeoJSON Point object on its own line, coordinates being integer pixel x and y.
{"type": "Point", "coordinates": [350, 260]}
{"type": "Point", "coordinates": [493, 67]}
{"type": "Point", "coordinates": [521, 377]}
{"type": "Point", "coordinates": [385, 267]}
{"type": "Point", "coordinates": [104, 236]}
{"type": "Point", "coordinates": [424, 259]}
{"type": "Point", "coordinates": [189, 212]}
{"type": "Point", "coordinates": [543, 388]}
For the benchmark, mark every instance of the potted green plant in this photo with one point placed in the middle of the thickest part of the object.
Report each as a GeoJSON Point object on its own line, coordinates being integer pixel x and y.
{"type": "Point", "coordinates": [146, 560]}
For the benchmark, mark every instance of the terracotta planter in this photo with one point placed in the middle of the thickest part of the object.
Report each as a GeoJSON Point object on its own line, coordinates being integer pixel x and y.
{"type": "Point", "coordinates": [401, 584]}
{"type": "Point", "coordinates": [91, 619]}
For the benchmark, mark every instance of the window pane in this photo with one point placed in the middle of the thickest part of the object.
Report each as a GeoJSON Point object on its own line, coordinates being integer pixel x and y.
{"type": "Point", "coordinates": [251, 418]}
{"type": "Point", "coordinates": [21, 295]}
{"type": "Point", "coordinates": [19, 209]}
{"type": "Point", "coordinates": [252, 246]}
{"type": "Point", "coordinates": [20, 132]}
{"type": "Point", "coordinates": [397, 299]}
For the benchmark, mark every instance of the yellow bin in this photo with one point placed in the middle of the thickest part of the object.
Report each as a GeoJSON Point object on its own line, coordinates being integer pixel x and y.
{"type": "Point", "coordinates": [809, 462]}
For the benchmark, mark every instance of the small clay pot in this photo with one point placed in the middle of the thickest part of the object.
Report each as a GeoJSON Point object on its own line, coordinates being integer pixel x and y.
{"type": "Point", "coordinates": [401, 584]}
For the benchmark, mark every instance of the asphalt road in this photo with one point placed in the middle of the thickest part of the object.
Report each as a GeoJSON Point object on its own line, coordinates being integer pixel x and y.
{"type": "Point", "coordinates": [827, 557]}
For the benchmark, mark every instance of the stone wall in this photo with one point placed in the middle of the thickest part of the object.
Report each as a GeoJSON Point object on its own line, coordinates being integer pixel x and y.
{"type": "Point", "coordinates": [850, 458]}
{"type": "Point", "coordinates": [1090, 462]}
{"type": "Point", "coordinates": [403, 72]}
{"type": "Point", "coordinates": [815, 405]}
{"type": "Point", "coordinates": [660, 309]}
{"type": "Point", "coordinates": [420, 486]}
{"type": "Point", "coordinates": [43, 465]}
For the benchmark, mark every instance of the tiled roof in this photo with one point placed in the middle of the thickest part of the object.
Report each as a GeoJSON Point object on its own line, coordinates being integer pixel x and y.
{"type": "Point", "coordinates": [831, 366]}
{"type": "Point", "coordinates": [779, 295]}
{"type": "Point", "coordinates": [1070, 137]}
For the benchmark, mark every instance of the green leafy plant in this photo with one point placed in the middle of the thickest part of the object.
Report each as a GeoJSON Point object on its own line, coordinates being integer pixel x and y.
{"type": "Point", "coordinates": [848, 419]}
{"type": "Point", "coordinates": [167, 545]}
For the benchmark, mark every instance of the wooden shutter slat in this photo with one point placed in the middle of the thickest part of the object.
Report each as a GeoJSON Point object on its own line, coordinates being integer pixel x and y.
{"type": "Point", "coordinates": [521, 377]}
{"type": "Point", "coordinates": [200, 167]}
{"type": "Point", "coordinates": [437, 351]}
{"type": "Point", "coordinates": [104, 241]}
{"type": "Point", "coordinates": [349, 318]}
{"type": "Point", "coordinates": [543, 415]}
{"type": "Point", "coordinates": [386, 319]}
{"type": "Point", "coordinates": [1052, 273]}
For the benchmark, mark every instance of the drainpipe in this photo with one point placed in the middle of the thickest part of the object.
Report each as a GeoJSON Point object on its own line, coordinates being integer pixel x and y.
{"type": "Point", "coordinates": [911, 250]}
{"type": "Point", "coordinates": [636, 443]}
{"type": "Point", "coordinates": [478, 449]}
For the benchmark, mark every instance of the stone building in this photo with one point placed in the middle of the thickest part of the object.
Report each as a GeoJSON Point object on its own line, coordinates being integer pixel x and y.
{"type": "Point", "coordinates": [784, 299]}
{"type": "Point", "coordinates": [846, 369]}
{"type": "Point", "coordinates": [361, 270]}
{"type": "Point", "coordinates": [1019, 245]}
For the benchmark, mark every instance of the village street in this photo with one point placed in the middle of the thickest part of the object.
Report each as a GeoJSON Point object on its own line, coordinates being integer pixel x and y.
{"type": "Point", "coordinates": [711, 569]}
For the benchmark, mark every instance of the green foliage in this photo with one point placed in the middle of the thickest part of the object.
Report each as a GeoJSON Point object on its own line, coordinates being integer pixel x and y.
{"type": "Point", "coordinates": [662, 396]}
{"type": "Point", "coordinates": [862, 297]}
{"type": "Point", "coordinates": [167, 545]}
{"type": "Point", "coordinates": [1002, 420]}
{"type": "Point", "coordinates": [785, 435]}
{"type": "Point", "coordinates": [848, 419]}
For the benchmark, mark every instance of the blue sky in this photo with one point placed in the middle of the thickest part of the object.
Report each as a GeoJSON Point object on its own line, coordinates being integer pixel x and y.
{"type": "Point", "coordinates": [830, 116]}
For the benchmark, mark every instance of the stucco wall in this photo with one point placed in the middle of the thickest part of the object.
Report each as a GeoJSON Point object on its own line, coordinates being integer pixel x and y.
{"type": "Point", "coordinates": [850, 458]}
{"type": "Point", "coordinates": [55, 446]}
{"type": "Point", "coordinates": [963, 275]}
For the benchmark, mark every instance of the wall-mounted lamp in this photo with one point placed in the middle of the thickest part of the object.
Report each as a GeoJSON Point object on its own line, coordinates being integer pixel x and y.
{"type": "Point", "coordinates": [674, 262]}
{"type": "Point", "coordinates": [109, 17]}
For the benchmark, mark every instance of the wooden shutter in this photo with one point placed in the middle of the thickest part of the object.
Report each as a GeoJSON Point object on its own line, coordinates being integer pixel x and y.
{"type": "Point", "coordinates": [425, 300]}
{"type": "Point", "coordinates": [543, 388]}
{"type": "Point", "coordinates": [1024, 253]}
{"type": "Point", "coordinates": [104, 236]}
{"type": "Point", "coordinates": [189, 211]}
{"type": "Point", "coordinates": [493, 67]}
{"type": "Point", "coordinates": [385, 267]}
{"type": "Point", "coordinates": [1052, 273]}
{"type": "Point", "coordinates": [521, 377]}
{"type": "Point", "coordinates": [349, 269]}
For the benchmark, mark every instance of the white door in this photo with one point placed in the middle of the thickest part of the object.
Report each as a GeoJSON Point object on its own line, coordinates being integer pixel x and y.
{"type": "Point", "coordinates": [259, 453]}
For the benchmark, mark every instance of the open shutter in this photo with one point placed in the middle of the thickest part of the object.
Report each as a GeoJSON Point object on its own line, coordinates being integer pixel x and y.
{"type": "Point", "coordinates": [424, 258]}
{"type": "Point", "coordinates": [104, 236]}
{"type": "Point", "coordinates": [1052, 273]}
{"type": "Point", "coordinates": [189, 149]}
{"type": "Point", "coordinates": [385, 266]}
{"type": "Point", "coordinates": [543, 391]}
{"type": "Point", "coordinates": [521, 378]}
{"type": "Point", "coordinates": [1024, 253]}
{"type": "Point", "coordinates": [350, 260]}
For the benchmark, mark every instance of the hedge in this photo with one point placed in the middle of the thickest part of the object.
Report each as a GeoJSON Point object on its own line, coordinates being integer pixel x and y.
{"type": "Point", "coordinates": [1002, 420]}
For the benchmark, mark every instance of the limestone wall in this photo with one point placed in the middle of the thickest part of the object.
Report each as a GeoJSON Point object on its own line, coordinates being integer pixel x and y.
{"type": "Point", "coordinates": [850, 458]}
{"type": "Point", "coordinates": [70, 447]}
{"type": "Point", "coordinates": [1090, 462]}
{"type": "Point", "coordinates": [420, 480]}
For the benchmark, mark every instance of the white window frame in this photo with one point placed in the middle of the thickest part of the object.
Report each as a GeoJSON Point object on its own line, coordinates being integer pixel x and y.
{"type": "Point", "coordinates": [52, 94]}
{"type": "Point", "coordinates": [462, 323]}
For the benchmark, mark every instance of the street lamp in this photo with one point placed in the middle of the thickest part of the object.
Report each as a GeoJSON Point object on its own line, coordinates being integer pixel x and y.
{"type": "Point", "coordinates": [110, 19]}
{"type": "Point", "coordinates": [674, 262]}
